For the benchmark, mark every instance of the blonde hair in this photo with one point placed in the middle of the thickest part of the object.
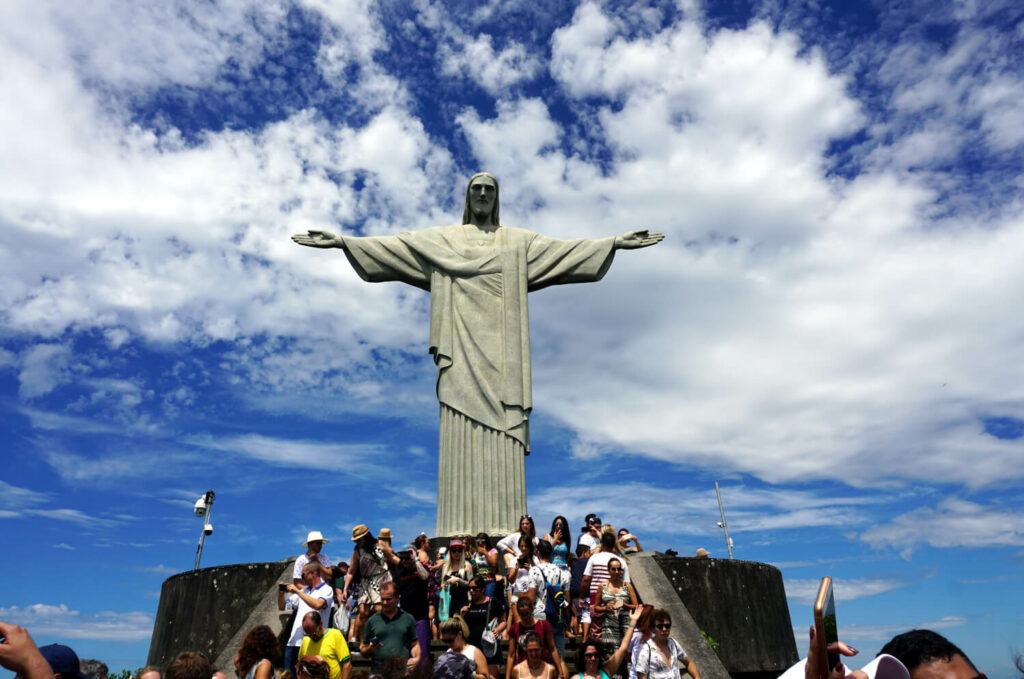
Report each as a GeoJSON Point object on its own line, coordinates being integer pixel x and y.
{"type": "Point", "coordinates": [454, 625]}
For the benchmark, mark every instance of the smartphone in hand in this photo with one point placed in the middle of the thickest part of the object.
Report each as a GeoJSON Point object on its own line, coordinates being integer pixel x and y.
{"type": "Point", "coordinates": [825, 629]}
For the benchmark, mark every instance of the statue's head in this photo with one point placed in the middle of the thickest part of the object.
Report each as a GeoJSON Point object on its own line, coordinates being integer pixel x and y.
{"type": "Point", "coordinates": [474, 204]}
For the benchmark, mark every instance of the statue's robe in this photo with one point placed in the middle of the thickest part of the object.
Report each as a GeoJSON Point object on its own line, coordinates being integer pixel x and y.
{"type": "Point", "coordinates": [480, 341]}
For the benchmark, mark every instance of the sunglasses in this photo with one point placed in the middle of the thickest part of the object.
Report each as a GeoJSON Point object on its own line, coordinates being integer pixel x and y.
{"type": "Point", "coordinates": [664, 625]}
{"type": "Point", "coordinates": [590, 655]}
{"type": "Point", "coordinates": [614, 570]}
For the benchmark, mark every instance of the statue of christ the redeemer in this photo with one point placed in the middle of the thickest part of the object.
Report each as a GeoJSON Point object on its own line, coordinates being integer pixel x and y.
{"type": "Point", "coordinates": [478, 274]}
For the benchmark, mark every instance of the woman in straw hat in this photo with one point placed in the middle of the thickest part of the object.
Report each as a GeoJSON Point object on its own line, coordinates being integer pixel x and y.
{"type": "Point", "coordinates": [368, 571]}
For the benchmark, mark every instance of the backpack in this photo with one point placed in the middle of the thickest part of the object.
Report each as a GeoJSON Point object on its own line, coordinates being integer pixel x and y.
{"type": "Point", "coordinates": [556, 606]}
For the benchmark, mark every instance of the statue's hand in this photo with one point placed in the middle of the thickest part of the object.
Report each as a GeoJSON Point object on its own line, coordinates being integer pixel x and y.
{"type": "Point", "coordinates": [638, 239]}
{"type": "Point", "coordinates": [319, 239]}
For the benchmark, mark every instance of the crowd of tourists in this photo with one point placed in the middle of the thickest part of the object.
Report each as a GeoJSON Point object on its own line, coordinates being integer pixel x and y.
{"type": "Point", "coordinates": [503, 606]}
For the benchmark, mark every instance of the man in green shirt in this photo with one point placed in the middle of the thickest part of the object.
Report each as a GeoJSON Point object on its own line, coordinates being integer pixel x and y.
{"type": "Point", "coordinates": [389, 638]}
{"type": "Point", "coordinates": [329, 644]}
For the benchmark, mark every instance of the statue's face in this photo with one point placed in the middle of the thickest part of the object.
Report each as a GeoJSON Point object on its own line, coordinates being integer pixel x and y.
{"type": "Point", "coordinates": [482, 194]}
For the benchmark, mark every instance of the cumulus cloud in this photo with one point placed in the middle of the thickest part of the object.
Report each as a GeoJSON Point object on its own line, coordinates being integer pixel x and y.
{"type": "Point", "coordinates": [805, 591]}
{"type": "Point", "coordinates": [65, 623]}
{"type": "Point", "coordinates": [952, 523]}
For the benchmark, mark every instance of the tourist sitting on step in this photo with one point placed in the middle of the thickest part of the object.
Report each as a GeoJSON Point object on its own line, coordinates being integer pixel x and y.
{"type": "Point", "coordinates": [259, 653]}
{"type": "Point", "coordinates": [533, 665]}
{"type": "Point", "coordinates": [590, 533]}
{"type": "Point", "coordinates": [485, 613]}
{"type": "Point", "coordinates": [454, 633]}
{"type": "Point", "coordinates": [625, 537]}
{"type": "Point", "coordinates": [510, 543]}
{"type": "Point", "coordinates": [660, 656]}
{"type": "Point", "coordinates": [389, 638]}
{"type": "Point", "coordinates": [527, 623]}
{"type": "Point", "coordinates": [368, 573]}
{"type": "Point", "coordinates": [593, 660]}
{"type": "Point", "coordinates": [316, 595]}
{"type": "Point", "coordinates": [614, 601]}
{"type": "Point", "coordinates": [314, 544]}
{"type": "Point", "coordinates": [522, 574]}
{"type": "Point", "coordinates": [328, 644]}
{"type": "Point", "coordinates": [560, 538]}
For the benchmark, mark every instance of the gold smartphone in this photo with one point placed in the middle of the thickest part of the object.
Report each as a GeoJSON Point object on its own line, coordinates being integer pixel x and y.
{"type": "Point", "coordinates": [825, 630]}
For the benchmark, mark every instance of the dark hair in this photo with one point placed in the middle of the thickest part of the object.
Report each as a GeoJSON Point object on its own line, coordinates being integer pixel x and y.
{"type": "Point", "coordinates": [582, 549]}
{"type": "Point", "coordinates": [660, 615]}
{"type": "Point", "coordinates": [919, 646]}
{"type": "Point", "coordinates": [189, 665]}
{"type": "Point", "coordinates": [643, 623]}
{"type": "Point", "coordinates": [391, 586]}
{"type": "Point", "coordinates": [313, 669]}
{"type": "Point", "coordinates": [616, 560]}
{"type": "Point", "coordinates": [486, 538]}
{"type": "Point", "coordinates": [565, 524]}
{"type": "Point", "coordinates": [608, 539]}
{"type": "Point", "coordinates": [259, 643]}
{"type": "Point", "coordinates": [531, 548]}
{"type": "Point", "coordinates": [545, 550]}
{"type": "Point", "coordinates": [467, 211]}
{"type": "Point", "coordinates": [479, 581]}
{"type": "Point", "coordinates": [149, 668]}
{"type": "Point", "coordinates": [533, 526]}
{"type": "Point", "coordinates": [94, 668]}
{"type": "Point", "coordinates": [528, 638]}
{"type": "Point", "coordinates": [420, 541]}
{"type": "Point", "coordinates": [602, 653]}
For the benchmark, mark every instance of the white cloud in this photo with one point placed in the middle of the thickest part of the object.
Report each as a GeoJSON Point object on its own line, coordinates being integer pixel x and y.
{"type": "Point", "coordinates": [495, 71]}
{"type": "Point", "coordinates": [62, 622]}
{"type": "Point", "coordinates": [804, 591]}
{"type": "Point", "coordinates": [64, 545]}
{"type": "Point", "coordinates": [883, 633]}
{"type": "Point", "coordinates": [338, 457]}
{"type": "Point", "coordinates": [15, 498]}
{"type": "Point", "coordinates": [43, 368]}
{"type": "Point", "coordinates": [953, 523]}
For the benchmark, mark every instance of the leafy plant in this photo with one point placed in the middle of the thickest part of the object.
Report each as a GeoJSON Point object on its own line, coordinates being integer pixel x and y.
{"type": "Point", "coordinates": [711, 642]}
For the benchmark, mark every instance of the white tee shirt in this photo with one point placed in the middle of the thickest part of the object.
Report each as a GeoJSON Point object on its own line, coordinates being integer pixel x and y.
{"type": "Point", "coordinates": [589, 540]}
{"type": "Point", "coordinates": [555, 576]}
{"type": "Point", "coordinates": [322, 591]}
{"type": "Point", "coordinates": [650, 662]}
{"type": "Point", "coordinates": [303, 559]}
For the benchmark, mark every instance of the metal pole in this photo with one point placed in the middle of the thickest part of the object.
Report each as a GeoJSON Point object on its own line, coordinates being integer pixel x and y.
{"type": "Point", "coordinates": [208, 498]}
{"type": "Point", "coordinates": [725, 526]}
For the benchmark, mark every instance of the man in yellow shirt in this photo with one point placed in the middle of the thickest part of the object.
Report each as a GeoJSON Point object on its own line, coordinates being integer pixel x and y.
{"type": "Point", "coordinates": [329, 644]}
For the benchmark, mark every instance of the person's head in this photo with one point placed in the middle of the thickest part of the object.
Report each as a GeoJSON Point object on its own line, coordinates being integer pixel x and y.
{"type": "Point", "coordinates": [217, 674]}
{"type": "Point", "coordinates": [544, 550]}
{"type": "Point", "coordinates": [407, 557]}
{"type": "Point", "coordinates": [593, 522]}
{"type": "Point", "coordinates": [454, 631]}
{"type": "Point", "coordinates": [477, 587]}
{"type": "Point", "coordinates": [314, 542]}
{"type": "Point", "coordinates": [527, 549]}
{"type": "Point", "coordinates": [312, 667]}
{"type": "Point", "coordinates": [150, 672]}
{"type": "Point", "coordinates": [526, 526]}
{"type": "Point", "coordinates": [259, 643]}
{"type": "Point", "coordinates": [385, 535]}
{"type": "Point", "coordinates": [608, 540]}
{"type": "Point", "coordinates": [524, 607]}
{"type": "Point", "coordinates": [702, 553]}
{"type": "Point", "coordinates": [928, 655]}
{"type": "Point", "coordinates": [63, 661]}
{"type": "Point", "coordinates": [531, 646]}
{"type": "Point", "coordinates": [312, 624]}
{"type": "Point", "coordinates": [482, 199]}
{"type": "Point", "coordinates": [311, 574]}
{"type": "Point", "coordinates": [189, 665]}
{"type": "Point", "coordinates": [362, 536]}
{"type": "Point", "coordinates": [661, 623]}
{"type": "Point", "coordinates": [615, 570]}
{"type": "Point", "coordinates": [94, 669]}
{"type": "Point", "coordinates": [590, 657]}
{"type": "Point", "coordinates": [483, 540]}
{"type": "Point", "coordinates": [582, 551]}
{"type": "Point", "coordinates": [421, 541]}
{"type": "Point", "coordinates": [560, 523]}
{"type": "Point", "coordinates": [456, 550]}
{"type": "Point", "coordinates": [389, 598]}
{"type": "Point", "coordinates": [339, 571]}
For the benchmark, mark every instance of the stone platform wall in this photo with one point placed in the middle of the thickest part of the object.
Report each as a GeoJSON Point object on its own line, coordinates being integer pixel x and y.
{"type": "Point", "coordinates": [742, 606]}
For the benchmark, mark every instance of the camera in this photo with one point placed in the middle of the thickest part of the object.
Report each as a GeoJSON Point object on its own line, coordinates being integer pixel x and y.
{"type": "Point", "coordinates": [208, 529]}
{"type": "Point", "coordinates": [200, 507]}
{"type": "Point", "coordinates": [282, 586]}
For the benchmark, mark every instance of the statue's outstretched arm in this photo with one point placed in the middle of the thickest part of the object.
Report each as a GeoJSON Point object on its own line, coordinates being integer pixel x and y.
{"type": "Point", "coordinates": [637, 239]}
{"type": "Point", "coordinates": [315, 238]}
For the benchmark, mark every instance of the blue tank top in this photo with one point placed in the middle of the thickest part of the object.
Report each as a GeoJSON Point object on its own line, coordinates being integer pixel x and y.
{"type": "Point", "coordinates": [560, 555]}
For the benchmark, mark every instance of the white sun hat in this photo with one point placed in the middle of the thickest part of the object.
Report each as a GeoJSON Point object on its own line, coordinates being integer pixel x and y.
{"type": "Point", "coordinates": [313, 536]}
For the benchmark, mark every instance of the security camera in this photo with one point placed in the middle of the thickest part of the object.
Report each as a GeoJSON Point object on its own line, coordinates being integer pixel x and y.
{"type": "Point", "coordinates": [200, 507]}
{"type": "Point", "coordinates": [208, 529]}
{"type": "Point", "coordinates": [719, 524]}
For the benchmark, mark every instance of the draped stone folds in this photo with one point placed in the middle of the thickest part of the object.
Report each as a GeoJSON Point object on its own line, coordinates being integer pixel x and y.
{"type": "Point", "coordinates": [481, 477]}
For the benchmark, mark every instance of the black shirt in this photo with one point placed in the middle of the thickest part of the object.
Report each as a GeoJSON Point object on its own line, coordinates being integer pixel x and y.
{"type": "Point", "coordinates": [412, 591]}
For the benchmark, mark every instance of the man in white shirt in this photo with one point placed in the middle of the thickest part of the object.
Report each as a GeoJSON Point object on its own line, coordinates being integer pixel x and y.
{"type": "Point", "coordinates": [591, 533]}
{"type": "Point", "coordinates": [315, 596]}
{"type": "Point", "coordinates": [314, 543]}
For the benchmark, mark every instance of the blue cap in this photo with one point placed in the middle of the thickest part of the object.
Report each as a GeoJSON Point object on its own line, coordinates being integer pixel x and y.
{"type": "Point", "coordinates": [62, 660]}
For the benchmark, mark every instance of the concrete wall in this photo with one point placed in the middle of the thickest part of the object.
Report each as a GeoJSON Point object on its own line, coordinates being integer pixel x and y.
{"type": "Point", "coordinates": [204, 610]}
{"type": "Point", "coordinates": [741, 605]}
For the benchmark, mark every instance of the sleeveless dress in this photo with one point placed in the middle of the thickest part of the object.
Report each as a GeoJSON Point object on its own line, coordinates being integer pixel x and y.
{"type": "Point", "coordinates": [373, 573]}
{"type": "Point", "coordinates": [615, 621]}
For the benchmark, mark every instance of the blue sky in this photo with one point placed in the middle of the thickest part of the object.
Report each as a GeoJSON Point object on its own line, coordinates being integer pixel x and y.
{"type": "Point", "coordinates": [831, 328]}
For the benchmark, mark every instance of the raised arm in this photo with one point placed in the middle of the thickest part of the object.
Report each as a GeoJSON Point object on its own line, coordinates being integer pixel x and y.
{"type": "Point", "coordinates": [315, 238]}
{"type": "Point", "coordinates": [641, 238]}
{"type": "Point", "coordinates": [612, 664]}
